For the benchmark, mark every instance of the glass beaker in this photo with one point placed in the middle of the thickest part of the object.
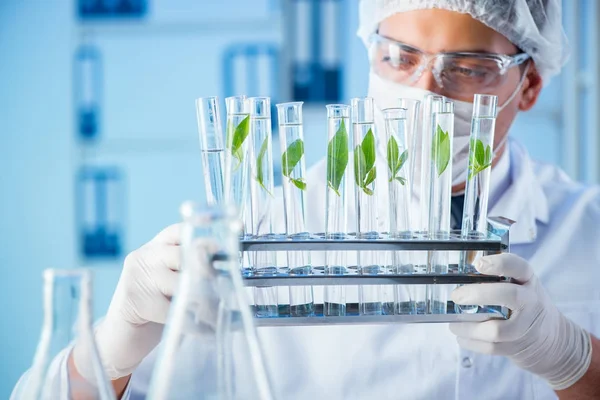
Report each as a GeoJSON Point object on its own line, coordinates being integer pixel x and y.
{"type": "Point", "coordinates": [211, 148]}
{"type": "Point", "coordinates": [291, 136]}
{"type": "Point", "coordinates": [210, 348]}
{"type": "Point", "coordinates": [336, 204]}
{"type": "Point", "coordinates": [365, 174]}
{"type": "Point", "coordinates": [439, 202]}
{"type": "Point", "coordinates": [67, 320]}
{"type": "Point", "coordinates": [261, 191]}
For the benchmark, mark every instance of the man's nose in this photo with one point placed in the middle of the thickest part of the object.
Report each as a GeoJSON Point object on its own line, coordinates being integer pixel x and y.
{"type": "Point", "coordinates": [427, 82]}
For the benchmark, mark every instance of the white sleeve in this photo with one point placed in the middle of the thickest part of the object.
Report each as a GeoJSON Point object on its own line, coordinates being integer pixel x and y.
{"type": "Point", "coordinates": [56, 381]}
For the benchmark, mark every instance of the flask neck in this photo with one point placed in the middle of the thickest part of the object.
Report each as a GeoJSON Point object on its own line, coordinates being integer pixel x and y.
{"type": "Point", "coordinates": [66, 307]}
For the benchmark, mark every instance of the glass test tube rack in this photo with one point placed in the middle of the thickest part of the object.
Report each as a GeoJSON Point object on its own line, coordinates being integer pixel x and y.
{"type": "Point", "coordinates": [497, 241]}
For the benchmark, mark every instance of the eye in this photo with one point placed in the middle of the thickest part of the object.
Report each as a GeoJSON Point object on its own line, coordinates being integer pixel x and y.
{"type": "Point", "coordinates": [401, 62]}
{"type": "Point", "coordinates": [469, 72]}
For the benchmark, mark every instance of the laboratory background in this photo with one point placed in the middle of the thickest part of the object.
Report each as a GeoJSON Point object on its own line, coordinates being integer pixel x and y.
{"type": "Point", "coordinates": [98, 136]}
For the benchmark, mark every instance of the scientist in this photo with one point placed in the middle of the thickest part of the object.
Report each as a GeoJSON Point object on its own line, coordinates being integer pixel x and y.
{"type": "Point", "coordinates": [547, 349]}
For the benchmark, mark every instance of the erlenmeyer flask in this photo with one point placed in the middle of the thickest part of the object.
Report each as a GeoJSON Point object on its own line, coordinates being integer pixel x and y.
{"type": "Point", "coordinates": [67, 320]}
{"type": "Point", "coordinates": [210, 349]}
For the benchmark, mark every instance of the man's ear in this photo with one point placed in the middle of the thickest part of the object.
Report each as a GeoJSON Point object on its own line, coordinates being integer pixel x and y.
{"type": "Point", "coordinates": [531, 88]}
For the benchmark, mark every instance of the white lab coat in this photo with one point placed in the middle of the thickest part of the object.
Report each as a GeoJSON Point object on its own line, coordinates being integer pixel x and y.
{"type": "Point", "coordinates": [557, 230]}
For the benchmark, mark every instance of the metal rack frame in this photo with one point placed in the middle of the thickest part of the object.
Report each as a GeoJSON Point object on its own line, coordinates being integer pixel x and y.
{"type": "Point", "coordinates": [496, 242]}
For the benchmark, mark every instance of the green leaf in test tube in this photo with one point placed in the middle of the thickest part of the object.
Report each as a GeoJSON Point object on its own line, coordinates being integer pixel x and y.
{"type": "Point", "coordinates": [395, 160]}
{"type": "Point", "coordinates": [291, 157]}
{"type": "Point", "coordinates": [392, 156]}
{"type": "Point", "coordinates": [364, 163]}
{"type": "Point", "coordinates": [236, 138]}
{"type": "Point", "coordinates": [480, 158]}
{"type": "Point", "coordinates": [441, 150]}
{"type": "Point", "coordinates": [368, 148]}
{"type": "Point", "coordinates": [360, 172]}
{"type": "Point", "coordinates": [259, 164]}
{"type": "Point", "coordinates": [337, 158]}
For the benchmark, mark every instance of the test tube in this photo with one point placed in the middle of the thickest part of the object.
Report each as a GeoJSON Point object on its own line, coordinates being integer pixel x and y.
{"type": "Point", "coordinates": [291, 137]}
{"type": "Point", "coordinates": [481, 155]}
{"type": "Point", "coordinates": [236, 156]}
{"type": "Point", "coordinates": [433, 104]}
{"type": "Point", "coordinates": [398, 172]}
{"type": "Point", "coordinates": [413, 108]}
{"type": "Point", "coordinates": [261, 191]}
{"type": "Point", "coordinates": [236, 165]}
{"type": "Point", "coordinates": [336, 211]}
{"type": "Point", "coordinates": [439, 204]}
{"type": "Point", "coordinates": [365, 173]}
{"type": "Point", "coordinates": [211, 148]}
{"type": "Point", "coordinates": [421, 259]}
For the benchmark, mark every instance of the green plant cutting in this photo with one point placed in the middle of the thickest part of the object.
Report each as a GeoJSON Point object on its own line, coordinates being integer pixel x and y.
{"type": "Point", "coordinates": [441, 150]}
{"type": "Point", "coordinates": [365, 171]}
{"type": "Point", "coordinates": [259, 164]}
{"type": "Point", "coordinates": [337, 158]}
{"type": "Point", "coordinates": [289, 159]}
{"type": "Point", "coordinates": [396, 160]}
{"type": "Point", "coordinates": [480, 157]}
{"type": "Point", "coordinates": [236, 138]}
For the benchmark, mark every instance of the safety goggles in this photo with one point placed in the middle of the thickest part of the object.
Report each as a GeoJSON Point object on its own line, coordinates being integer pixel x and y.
{"type": "Point", "coordinates": [459, 74]}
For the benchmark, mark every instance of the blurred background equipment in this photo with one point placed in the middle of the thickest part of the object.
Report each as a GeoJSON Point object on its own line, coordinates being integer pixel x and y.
{"type": "Point", "coordinates": [99, 95]}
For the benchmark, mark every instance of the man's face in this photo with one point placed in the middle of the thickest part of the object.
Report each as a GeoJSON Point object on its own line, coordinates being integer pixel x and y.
{"type": "Point", "coordinates": [435, 31]}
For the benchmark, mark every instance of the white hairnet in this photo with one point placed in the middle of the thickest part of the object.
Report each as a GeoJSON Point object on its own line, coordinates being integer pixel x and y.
{"type": "Point", "coordinates": [535, 26]}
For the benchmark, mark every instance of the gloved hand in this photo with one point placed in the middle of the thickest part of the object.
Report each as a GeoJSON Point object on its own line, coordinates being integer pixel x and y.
{"type": "Point", "coordinates": [537, 337]}
{"type": "Point", "coordinates": [134, 322]}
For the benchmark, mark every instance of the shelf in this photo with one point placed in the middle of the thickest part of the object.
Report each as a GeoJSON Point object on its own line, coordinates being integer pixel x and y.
{"type": "Point", "coordinates": [315, 243]}
{"type": "Point", "coordinates": [345, 280]}
{"type": "Point", "coordinates": [496, 241]}
{"type": "Point", "coordinates": [352, 318]}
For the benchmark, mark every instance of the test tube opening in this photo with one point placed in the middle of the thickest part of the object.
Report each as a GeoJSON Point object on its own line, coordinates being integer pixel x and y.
{"type": "Point", "coordinates": [394, 113]}
{"type": "Point", "coordinates": [363, 111]}
{"type": "Point", "coordinates": [338, 111]}
{"type": "Point", "coordinates": [484, 106]}
{"type": "Point", "coordinates": [259, 107]}
{"type": "Point", "coordinates": [237, 105]}
{"type": "Point", "coordinates": [209, 123]}
{"type": "Point", "coordinates": [290, 113]}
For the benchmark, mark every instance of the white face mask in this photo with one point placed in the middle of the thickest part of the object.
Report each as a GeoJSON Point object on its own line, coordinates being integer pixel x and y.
{"type": "Point", "coordinates": [386, 94]}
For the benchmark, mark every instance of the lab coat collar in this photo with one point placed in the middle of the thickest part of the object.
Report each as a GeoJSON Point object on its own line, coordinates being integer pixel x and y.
{"type": "Point", "coordinates": [524, 201]}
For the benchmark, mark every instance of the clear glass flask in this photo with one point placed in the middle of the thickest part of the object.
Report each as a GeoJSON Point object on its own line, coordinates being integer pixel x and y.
{"type": "Point", "coordinates": [209, 348]}
{"type": "Point", "coordinates": [413, 113]}
{"type": "Point", "coordinates": [398, 173]}
{"type": "Point", "coordinates": [67, 320]}
{"type": "Point", "coordinates": [261, 193]}
{"type": "Point", "coordinates": [336, 203]}
{"type": "Point", "coordinates": [481, 155]}
{"type": "Point", "coordinates": [439, 203]}
{"type": "Point", "coordinates": [211, 148]}
{"type": "Point", "coordinates": [291, 136]}
{"type": "Point", "coordinates": [365, 174]}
